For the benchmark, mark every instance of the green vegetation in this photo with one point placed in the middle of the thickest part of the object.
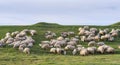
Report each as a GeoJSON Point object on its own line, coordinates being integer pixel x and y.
{"type": "Point", "coordinates": [10, 56]}
{"type": "Point", "coordinates": [116, 24]}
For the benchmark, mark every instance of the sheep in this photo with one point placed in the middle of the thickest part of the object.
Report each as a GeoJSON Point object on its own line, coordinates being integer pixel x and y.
{"type": "Point", "coordinates": [110, 50]}
{"type": "Point", "coordinates": [21, 48]}
{"type": "Point", "coordinates": [60, 51]}
{"type": "Point", "coordinates": [16, 44]}
{"type": "Point", "coordinates": [84, 52]}
{"type": "Point", "coordinates": [82, 32]}
{"type": "Point", "coordinates": [100, 43]}
{"type": "Point", "coordinates": [74, 39]}
{"type": "Point", "coordinates": [10, 40]}
{"type": "Point", "coordinates": [49, 37]}
{"type": "Point", "coordinates": [33, 32]}
{"type": "Point", "coordinates": [83, 38]}
{"type": "Point", "coordinates": [71, 33]}
{"type": "Point", "coordinates": [91, 50]}
{"type": "Point", "coordinates": [69, 47]}
{"type": "Point", "coordinates": [53, 41]}
{"type": "Point", "coordinates": [64, 34]}
{"type": "Point", "coordinates": [13, 34]}
{"type": "Point", "coordinates": [53, 50]}
{"type": "Point", "coordinates": [111, 39]}
{"type": "Point", "coordinates": [74, 51]}
{"type": "Point", "coordinates": [101, 49]}
{"type": "Point", "coordinates": [72, 43]}
{"type": "Point", "coordinates": [26, 50]}
{"type": "Point", "coordinates": [92, 43]}
{"type": "Point", "coordinates": [30, 45]}
{"type": "Point", "coordinates": [62, 43]}
{"type": "Point", "coordinates": [60, 38]}
{"type": "Point", "coordinates": [45, 46]}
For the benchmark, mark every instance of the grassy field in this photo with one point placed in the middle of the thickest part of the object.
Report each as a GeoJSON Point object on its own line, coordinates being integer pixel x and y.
{"type": "Point", "coordinates": [10, 56]}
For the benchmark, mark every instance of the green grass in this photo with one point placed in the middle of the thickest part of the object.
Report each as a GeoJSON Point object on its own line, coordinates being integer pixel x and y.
{"type": "Point", "coordinates": [10, 56]}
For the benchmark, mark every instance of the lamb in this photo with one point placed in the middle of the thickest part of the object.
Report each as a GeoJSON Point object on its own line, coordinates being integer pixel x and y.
{"type": "Point", "coordinates": [26, 50]}
{"type": "Point", "coordinates": [92, 43]}
{"type": "Point", "coordinates": [84, 52]}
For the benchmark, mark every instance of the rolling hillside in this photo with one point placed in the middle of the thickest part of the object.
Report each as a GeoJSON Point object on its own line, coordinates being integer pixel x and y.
{"type": "Point", "coordinates": [10, 56]}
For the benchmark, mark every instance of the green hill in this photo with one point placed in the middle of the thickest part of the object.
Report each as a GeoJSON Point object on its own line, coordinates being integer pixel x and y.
{"type": "Point", "coordinates": [45, 24]}
{"type": "Point", "coordinates": [116, 24]}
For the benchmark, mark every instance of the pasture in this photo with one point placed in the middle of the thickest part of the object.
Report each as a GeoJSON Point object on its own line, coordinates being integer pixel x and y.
{"type": "Point", "coordinates": [10, 56]}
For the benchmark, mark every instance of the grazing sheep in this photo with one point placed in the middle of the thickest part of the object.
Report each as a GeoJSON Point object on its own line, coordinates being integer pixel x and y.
{"type": "Point", "coordinates": [92, 43]}
{"type": "Point", "coordinates": [91, 50]}
{"type": "Point", "coordinates": [100, 43]}
{"type": "Point", "coordinates": [60, 51]}
{"type": "Point", "coordinates": [60, 38]}
{"type": "Point", "coordinates": [26, 50]}
{"type": "Point", "coordinates": [33, 32]}
{"type": "Point", "coordinates": [110, 50]}
{"type": "Point", "coordinates": [84, 52]}
{"type": "Point", "coordinates": [16, 44]}
{"type": "Point", "coordinates": [72, 43]}
{"type": "Point", "coordinates": [45, 46]}
{"type": "Point", "coordinates": [53, 50]}
{"type": "Point", "coordinates": [74, 51]}
{"type": "Point", "coordinates": [101, 49]}
{"type": "Point", "coordinates": [21, 48]}
{"type": "Point", "coordinates": [69, 47]}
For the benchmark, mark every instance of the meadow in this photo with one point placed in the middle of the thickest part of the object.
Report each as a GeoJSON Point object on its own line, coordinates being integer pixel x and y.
{"type": "Point", "coordinates": [10, 56]}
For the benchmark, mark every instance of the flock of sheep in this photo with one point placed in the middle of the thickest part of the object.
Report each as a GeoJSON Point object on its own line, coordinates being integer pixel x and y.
{"type": "Point", "coordinates": [66, 42]}
{"type": "Point", "coordinates": [69, 42]}
{"type": "Point", "coordinates": [21, 40]}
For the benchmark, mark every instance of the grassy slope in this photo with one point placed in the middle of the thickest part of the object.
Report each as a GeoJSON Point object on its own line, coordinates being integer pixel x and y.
{"type": "Point", "coordinates": [10, 56]}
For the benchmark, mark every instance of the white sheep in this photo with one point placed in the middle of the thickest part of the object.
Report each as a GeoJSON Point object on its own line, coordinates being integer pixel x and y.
{"type": "Point", "coordinates": [84, 52]}
{"type": "Point", "coordinates": [53, 50]}
{"type": "Point", "coordinates": [110, 50]}
{"type": "Point", "coordinates": [21, 48]}
{"type": "Point", "coordinates": [33, 32]}
{"type": "Point", "coordinates": [100, 43]}
{"type": "Point", "coordinates": [92, 43]}
{"type": "Point", "coordinates": [26, 50]}
{"type": "Point", "coordinates": [69, 47]}
{"type": "Point", "coordinates": [91, 50]}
